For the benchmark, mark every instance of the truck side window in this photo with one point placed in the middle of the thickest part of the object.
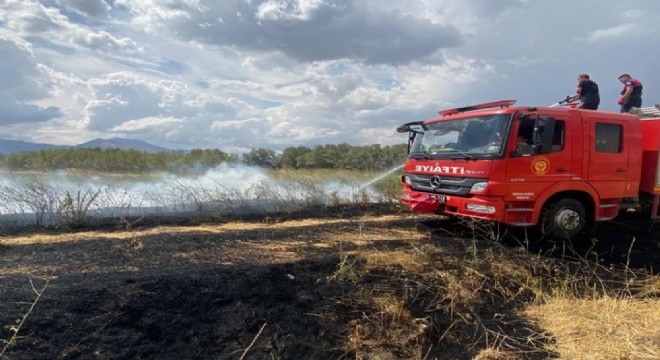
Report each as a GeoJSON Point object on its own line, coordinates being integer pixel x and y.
{"type": "Point", "coordinates": [558, 136]}
{"type": "Point", "coordinates": [525, 139]}
{"type": "Point", "coordinates": [608, 138]}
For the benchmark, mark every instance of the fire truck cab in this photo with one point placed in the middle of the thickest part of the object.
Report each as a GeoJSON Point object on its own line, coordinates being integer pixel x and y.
{"type": "Point", "coordinates": [561, 169]}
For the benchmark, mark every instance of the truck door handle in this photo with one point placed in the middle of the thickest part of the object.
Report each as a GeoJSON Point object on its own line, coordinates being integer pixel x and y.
{"type": "Point", "coordinates": [620, 170]}
{"type": "Point", "coordinates": [561, 170]}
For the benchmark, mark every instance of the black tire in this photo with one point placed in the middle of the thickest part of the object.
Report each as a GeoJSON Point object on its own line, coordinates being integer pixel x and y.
{"type": "Point", "coordinates": [563, 219]}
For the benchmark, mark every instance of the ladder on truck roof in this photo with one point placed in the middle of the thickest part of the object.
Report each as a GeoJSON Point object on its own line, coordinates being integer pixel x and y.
{"type": "Point", "coordinates": [651, 112]}
{"type": "Point", "coordinates": [488, 105]}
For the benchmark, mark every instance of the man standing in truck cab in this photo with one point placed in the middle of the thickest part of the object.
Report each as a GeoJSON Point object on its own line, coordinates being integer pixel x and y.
{"type": "Point", "coordinates": [631, 95]}
{"type": "Point", "coordinates": [588, 92]}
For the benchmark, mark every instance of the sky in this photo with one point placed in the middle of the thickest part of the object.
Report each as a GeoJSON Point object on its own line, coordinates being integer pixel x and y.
{"type": "Point", "coordinates": [242, 74]}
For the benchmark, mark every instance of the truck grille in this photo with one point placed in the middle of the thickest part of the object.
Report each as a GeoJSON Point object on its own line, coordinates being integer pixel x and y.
{"type": "Point", "coordinates": [442, 184]}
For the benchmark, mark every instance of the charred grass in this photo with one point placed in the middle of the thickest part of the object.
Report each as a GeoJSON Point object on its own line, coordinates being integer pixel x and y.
{"type": "Point", "coordinates": [346, 283]}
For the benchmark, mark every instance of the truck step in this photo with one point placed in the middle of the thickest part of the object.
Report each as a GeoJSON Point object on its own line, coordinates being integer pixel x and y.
{"type": "Point", "coordinates": [522, 223]}
{"type": "Point", "coordinates": [607, 206]}
{"type": "Point", "coordinates": [605, 218]}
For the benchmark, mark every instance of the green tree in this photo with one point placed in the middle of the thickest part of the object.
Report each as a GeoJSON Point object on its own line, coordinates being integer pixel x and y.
{"type": "Point", "coordinates": [261, 157]}
{"type": "Point", "coordinates": [330, 156]}
{"type": "Point", "coordinates": [291, 157]}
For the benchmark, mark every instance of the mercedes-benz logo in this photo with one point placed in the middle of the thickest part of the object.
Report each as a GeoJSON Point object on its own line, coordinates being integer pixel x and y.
{"type": "Point", "coordinates": [436, 181]}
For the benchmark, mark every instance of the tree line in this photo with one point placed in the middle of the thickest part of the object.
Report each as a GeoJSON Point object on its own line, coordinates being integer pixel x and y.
{"type": "Point", "coordinates": [341, 156]}
{"type": "Point", "coordinates": [113, 160]}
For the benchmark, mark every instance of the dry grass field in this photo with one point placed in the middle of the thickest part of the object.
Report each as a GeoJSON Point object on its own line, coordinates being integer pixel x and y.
{"type": "Point", "coordinates": [365, 282]}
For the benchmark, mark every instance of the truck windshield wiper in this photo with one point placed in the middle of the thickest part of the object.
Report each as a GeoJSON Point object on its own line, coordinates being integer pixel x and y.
{"type": "Point", "coordinates": [420, 155]}
{"type": "Point", "coordinates": [465, 156]}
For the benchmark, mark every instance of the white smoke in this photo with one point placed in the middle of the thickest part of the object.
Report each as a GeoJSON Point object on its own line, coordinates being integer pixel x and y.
{"type": "Point", "coordinates": [229, 188]}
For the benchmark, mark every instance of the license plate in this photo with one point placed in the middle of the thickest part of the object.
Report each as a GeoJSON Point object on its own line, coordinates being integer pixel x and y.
{"type": "Point", "coordinates": [440, 198]}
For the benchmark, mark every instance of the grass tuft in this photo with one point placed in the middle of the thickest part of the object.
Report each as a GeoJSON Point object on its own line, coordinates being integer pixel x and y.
{"type": "Point", "coordinates": [601, 328]}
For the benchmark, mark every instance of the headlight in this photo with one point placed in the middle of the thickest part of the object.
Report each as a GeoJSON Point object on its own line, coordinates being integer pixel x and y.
{"type": "Point", "coordinates": [484, 209]}
{"type": "Point", "coordinates": [479, 187]}
{"type": "Point", "coordinates": [406, 180]}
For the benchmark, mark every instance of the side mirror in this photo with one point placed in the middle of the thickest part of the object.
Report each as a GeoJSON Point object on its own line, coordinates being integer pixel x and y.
{"type": "Point", "coordinates": [408, 126]}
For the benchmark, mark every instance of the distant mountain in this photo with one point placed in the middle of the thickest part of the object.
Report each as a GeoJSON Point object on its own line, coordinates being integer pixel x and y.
{"type": "Point", "coordinates": [12, 146]}
{"type": "Point", "coordinates": [123, 144]}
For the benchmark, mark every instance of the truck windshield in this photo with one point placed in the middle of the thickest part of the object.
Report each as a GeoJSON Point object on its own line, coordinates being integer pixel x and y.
{"type": "Point", "coordinates": [463, 138]}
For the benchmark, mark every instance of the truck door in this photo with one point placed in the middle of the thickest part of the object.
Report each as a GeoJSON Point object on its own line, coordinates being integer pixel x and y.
{"type": "Point", "coordinates": [528, 171]}
{"type": "Point", "coordinates": [608, 158]}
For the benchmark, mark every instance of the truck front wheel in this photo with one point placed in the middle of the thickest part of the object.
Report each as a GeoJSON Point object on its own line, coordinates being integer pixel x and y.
{"type": "Point", "coordinates": [563, 219]}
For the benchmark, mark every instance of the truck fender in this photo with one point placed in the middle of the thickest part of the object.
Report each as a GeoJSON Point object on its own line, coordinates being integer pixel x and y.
{"type": "Point", "coordinates": [575, 186]}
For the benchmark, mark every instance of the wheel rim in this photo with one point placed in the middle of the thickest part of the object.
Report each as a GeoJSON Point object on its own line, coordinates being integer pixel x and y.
{"type": "Point", "coordinates": [567, 219]}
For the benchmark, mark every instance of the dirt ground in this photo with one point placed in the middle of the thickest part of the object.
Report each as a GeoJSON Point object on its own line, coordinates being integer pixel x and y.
{"type": "Point", "coordinates": [375, 283]}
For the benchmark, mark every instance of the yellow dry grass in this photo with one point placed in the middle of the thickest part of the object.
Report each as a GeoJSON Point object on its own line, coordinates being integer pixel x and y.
{"type": "Point", "coordinates": [406, 260]}
{"type": "Point", "coordinates": [318, 175]}
{"type": "Point", "coordinates": [605, 328]}
{"type": "Point", "coordinates": [183, 230]}
{"type": "Point", "coordinates": [648, 287]}
{"type": "Point", "coordinates": [394, 308]}
{"type": "Point", "coordinates": [369, 236]}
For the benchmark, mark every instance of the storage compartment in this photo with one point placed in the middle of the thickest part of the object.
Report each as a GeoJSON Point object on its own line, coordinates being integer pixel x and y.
{"type": "Point", "coordinates": [650, 180]}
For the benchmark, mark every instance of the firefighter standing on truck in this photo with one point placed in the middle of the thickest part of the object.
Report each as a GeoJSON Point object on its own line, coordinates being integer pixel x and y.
{"type": "Point", "coordinates": [631, 95]}
{"type": "Point", "coordinates": [588, 92]}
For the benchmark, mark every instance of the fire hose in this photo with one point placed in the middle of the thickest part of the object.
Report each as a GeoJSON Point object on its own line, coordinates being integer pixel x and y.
{"type": "Point", "coordinates": [569, 101]}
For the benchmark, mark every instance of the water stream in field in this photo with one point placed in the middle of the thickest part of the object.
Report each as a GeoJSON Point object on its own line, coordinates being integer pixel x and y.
{"type": "Point", "coordinates": [380, 177]}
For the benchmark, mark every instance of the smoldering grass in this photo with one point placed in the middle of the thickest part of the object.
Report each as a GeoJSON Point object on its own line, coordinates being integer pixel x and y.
{"type": "Point", "coordinates": [40, 202]}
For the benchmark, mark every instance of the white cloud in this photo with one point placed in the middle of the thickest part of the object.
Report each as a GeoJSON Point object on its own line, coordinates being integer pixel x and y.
{"type": "Point", "coordinates": [276, 10]}
{"type": "Point", "coordinates": [381, 135]}
{"type": "Point", "coordinates": [303, 30]}
{"type": "Point", "coordinates": [93, 8]}
{"type": "Point", "coordinates": [32, 18]}
{"type": "Point", "coordinates": [125, 96]}
{"type": "Point", "coordinates": [147, 123]}
{"type": "Point", "coordinates": [363, 99]}
{"type": "Point", "coordinates": [103, 40]}
{"type": "Point", "coordinates": [238, 74]}
{"type": "Point", "coordinates": [616, 32]}
{"type": "Point", "coordinates": [24, 83]}
{"type": "Point", "coordinates": [634, 23]}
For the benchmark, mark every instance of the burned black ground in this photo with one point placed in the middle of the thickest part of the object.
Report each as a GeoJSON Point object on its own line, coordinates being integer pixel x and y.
{"type": "Point", "coordinates": [283, 290]}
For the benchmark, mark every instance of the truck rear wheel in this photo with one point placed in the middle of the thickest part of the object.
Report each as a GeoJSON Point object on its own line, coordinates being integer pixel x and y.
{"type": "Point", "coordinates": [563, 219]}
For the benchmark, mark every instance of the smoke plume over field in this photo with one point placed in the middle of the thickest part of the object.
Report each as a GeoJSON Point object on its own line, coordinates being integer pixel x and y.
{"type": "Point", "coordinates": [65, 198]}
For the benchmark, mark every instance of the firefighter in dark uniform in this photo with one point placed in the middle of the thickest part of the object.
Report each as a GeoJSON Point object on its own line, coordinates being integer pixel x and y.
{"type": "Point", "coordinates": [631, 95]}
{"type": "Point", "coordinates": [588, 92]}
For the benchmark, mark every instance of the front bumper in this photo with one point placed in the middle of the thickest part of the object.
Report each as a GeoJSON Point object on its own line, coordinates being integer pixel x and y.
{"type": "Point", "coordinates": [481, 207]}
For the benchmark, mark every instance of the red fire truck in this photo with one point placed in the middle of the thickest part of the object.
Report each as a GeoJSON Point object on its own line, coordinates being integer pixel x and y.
{"type": "Point", "coordinates": [559, 168]}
